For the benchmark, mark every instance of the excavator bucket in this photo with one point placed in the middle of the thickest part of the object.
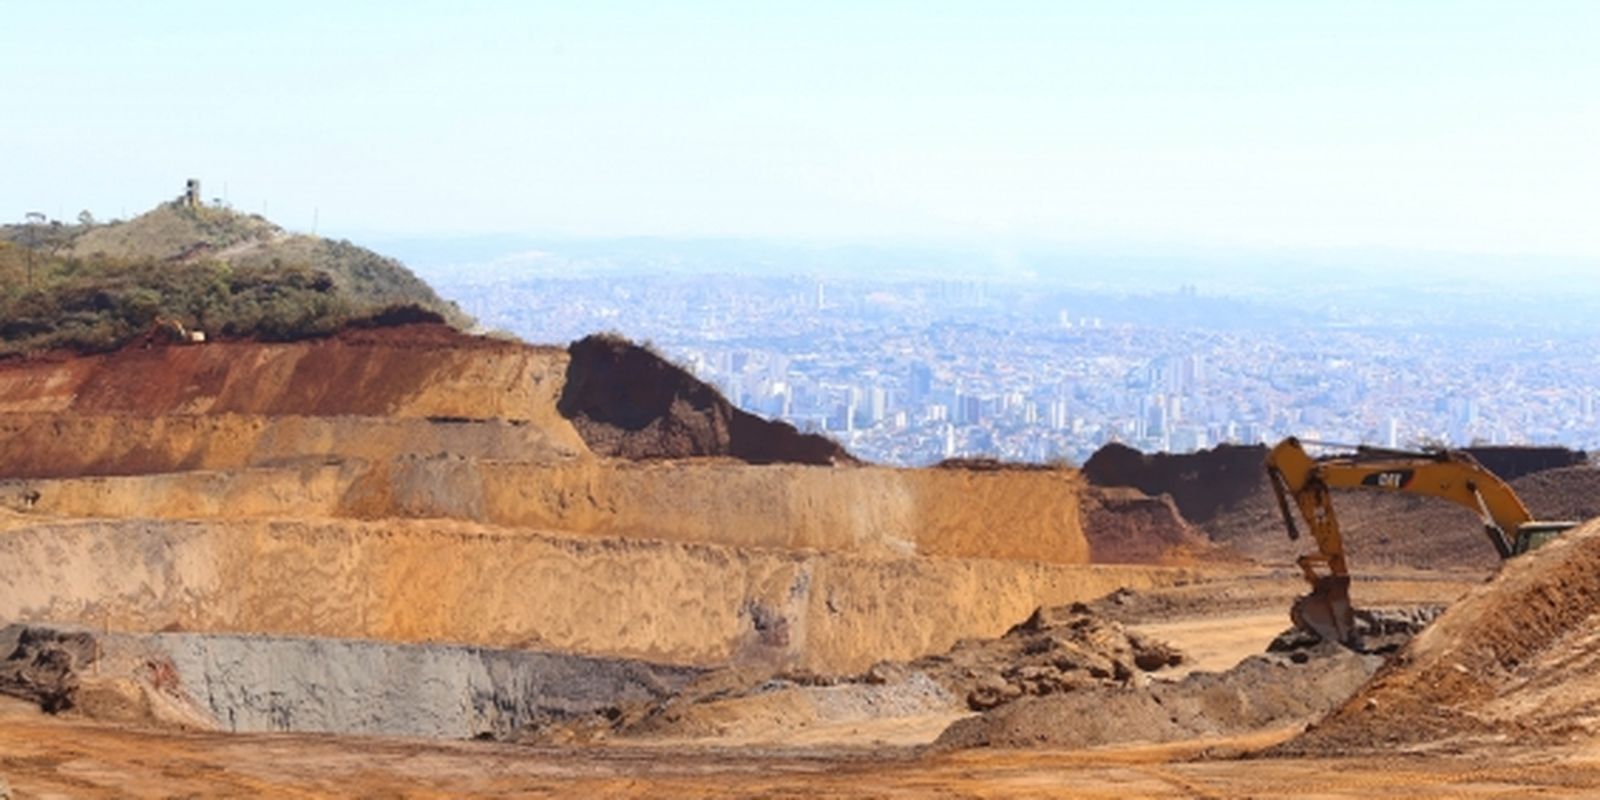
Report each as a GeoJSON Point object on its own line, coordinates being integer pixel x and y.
{"type": "Point", "coordinates": [1327, 611]}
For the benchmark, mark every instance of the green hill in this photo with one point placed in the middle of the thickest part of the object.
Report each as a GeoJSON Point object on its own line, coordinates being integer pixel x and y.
{"type": "Point", "coordinates": [90, 287]}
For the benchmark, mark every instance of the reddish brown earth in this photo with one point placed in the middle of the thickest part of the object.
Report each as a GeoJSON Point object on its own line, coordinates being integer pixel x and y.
{"type": "Point", "coordinates": [1126, 526]}
{"type": "Point", "coordinates": [628, 401]}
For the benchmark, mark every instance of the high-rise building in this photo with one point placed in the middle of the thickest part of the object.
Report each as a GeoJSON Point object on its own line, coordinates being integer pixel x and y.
{"type": "Point", "coordinates": [1059, 421]}
{"type": "Point", "coordinates": [969, 409]}
{"type": "Point", "coordinates": [919, 381]}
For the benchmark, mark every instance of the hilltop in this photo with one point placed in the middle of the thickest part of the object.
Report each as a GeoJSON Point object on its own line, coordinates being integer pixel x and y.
{"type": "Point", "coordinates": [92, 287]}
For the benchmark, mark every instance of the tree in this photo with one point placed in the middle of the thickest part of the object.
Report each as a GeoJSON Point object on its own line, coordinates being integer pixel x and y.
{"type": "Point", "coordinates": [85, 218]}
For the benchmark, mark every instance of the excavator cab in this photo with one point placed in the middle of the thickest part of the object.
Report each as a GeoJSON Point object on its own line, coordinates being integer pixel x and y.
{"type": "Point", "coordinates": [1534, 535]}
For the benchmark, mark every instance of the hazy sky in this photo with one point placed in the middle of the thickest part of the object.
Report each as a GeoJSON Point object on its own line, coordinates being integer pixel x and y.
{"type": "Point", "coordinates": [1457, 126]}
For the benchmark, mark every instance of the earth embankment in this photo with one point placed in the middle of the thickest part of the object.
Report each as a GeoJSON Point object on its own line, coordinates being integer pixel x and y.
{"type": "Point", "coordinates": [1517, 657]}
{"type": "Point", "coordinates": [1225, 495]}
{"type": "Point", "coordinates": [866, 510]}
{"type": "Point", "coordinates": [415, 486]}
{"type": "Point", "coordinates": [408, 371]}
{"type": "Point", "coordinates": [417, 581]}
{"type": "Point", "coordinates": [249, 683]}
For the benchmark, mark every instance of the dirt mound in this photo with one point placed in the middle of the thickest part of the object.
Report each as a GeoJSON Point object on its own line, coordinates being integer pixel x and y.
{"type": "Point", "coordinates": [1569, 493]}
{"type": "Point", "coordinates": [1225, 494]}
{"type": "Point", "coordinates": [1263, 691]}
{"type": "Point", "coordinates": [1055, 650]}
{"type": "Point", "coordinates": [756, 706]}
{"type": "Point", "coordinates": [1510, 462]}
{"type": "Point", "coordinates": [1129, 527]}
{"type": "Point", "coordinates": [1380, 530]}
{"type": "Point", "coordinates": [1517, 658]}
{"type": "Point", "coordinates": [1200, 483]}
{"type": "Point", "coordinates": [1383, 529]}
{"type": "Point", "coordinates": [628, 401]}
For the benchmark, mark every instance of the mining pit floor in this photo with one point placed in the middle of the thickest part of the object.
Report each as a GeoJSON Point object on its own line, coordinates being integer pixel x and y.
{"type": "Point", "coordinates": [1218, 624]}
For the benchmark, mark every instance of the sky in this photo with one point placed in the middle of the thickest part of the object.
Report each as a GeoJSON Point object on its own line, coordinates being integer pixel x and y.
{"type": "Point", "coordinates": [1457, 126]}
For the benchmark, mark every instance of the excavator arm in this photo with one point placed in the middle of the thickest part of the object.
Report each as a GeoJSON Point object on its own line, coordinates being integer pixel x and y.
{"type": "Point", "coordinates": [1306, 483]}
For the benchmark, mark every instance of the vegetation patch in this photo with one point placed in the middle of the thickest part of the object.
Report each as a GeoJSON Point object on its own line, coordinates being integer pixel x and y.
{"type": "Point", "coordinates": [90, 287]}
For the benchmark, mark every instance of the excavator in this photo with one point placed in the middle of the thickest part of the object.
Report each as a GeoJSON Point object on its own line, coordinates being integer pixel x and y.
{"type": "Point", "coordinates": [1307, 482]}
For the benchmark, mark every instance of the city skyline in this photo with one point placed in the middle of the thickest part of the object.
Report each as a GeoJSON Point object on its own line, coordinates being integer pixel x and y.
{"type": "Point", "coordinates": [914, 371]}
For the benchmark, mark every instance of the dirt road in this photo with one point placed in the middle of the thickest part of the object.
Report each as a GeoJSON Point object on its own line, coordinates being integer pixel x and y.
{"type": "Point", "coordinates": [49, 757]}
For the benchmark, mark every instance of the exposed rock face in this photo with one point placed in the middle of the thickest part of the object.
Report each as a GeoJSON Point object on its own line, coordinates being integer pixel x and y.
{"type": "Point", "coordinates": [627, 401]}
{"type": "Point", "coordinates": [42, 665]}
{"type": "Point", "coordinates": [438, 580]}
{"type": "Point", "coordinates": [268, 683]}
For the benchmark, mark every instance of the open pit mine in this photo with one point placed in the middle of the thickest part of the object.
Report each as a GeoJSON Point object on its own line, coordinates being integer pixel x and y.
{"type": "Point", "coordinates": [406, 561]}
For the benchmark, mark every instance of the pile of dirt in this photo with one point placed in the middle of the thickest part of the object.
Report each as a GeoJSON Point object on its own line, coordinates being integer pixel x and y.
{"type": "Point", "coordinates": [628, 401]}
{"type": "Point", "coordinates": [1201, 484]}
{"type": "Point", "coordinates": [1056, 650]}
{"type": "Point", "coordinates": [1510, 462]}
{"type": "Point", "coordinates": [1127, 526]}
{"type": "Point", "coordinates": [1382, 529]}
{"type": "Point", "coordinates": [1517, 658]}
{"type": "Point", "coordinates": [1224, 493]}
{"type": "Point", "coordinates": [1571, 493]}
{"type": "Point", "coordinates": [1379, 529]}
{"type": "Point", "coordinates": [1263, 691]}
{"type": "Point", "coordinates": [758, 707]}
{"type": "Point", "coordinates": [1208, 484]}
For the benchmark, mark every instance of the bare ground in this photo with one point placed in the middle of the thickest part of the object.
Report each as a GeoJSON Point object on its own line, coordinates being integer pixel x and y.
{"type": "Point", "coordinates": [44, 756]}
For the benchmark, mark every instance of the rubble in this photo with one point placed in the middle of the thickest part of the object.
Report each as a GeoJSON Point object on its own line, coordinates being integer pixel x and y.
{"type": "Point", "coordinates": [1054, 651]}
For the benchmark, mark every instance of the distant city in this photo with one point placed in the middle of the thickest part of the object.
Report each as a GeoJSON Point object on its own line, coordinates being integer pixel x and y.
{"type": "Point", "coordinates": [909, 370]}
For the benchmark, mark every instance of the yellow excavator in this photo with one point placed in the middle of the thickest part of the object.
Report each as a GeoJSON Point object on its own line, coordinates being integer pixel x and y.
{"type": "Point", "coordinates": [1307, 482]}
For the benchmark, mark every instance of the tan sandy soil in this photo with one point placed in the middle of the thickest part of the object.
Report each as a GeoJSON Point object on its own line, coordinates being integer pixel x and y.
{"type": "Point", "coordinates": [49, 757]}
{"type": "Point", "coordinates": [1213, 645]}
